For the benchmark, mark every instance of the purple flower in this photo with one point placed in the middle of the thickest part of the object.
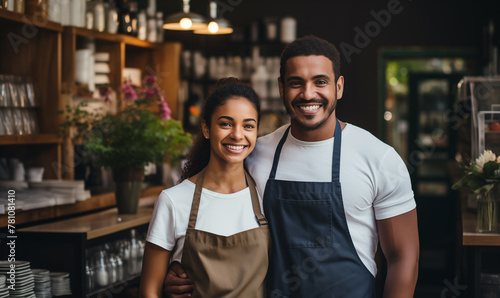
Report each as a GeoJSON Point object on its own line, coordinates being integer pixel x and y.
{"type": "Point", "coordinates": [128, 90]}
{"type": "Point", "coordinates": [165, 112]}
{"type": "Point", "coordinates": [150, 80]}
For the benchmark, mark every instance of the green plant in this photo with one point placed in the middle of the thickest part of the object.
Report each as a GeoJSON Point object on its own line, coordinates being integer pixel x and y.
{"type": "Point", "coordinates": [131, 138]}
{"type": "Point", "coordinates": [481, 175]}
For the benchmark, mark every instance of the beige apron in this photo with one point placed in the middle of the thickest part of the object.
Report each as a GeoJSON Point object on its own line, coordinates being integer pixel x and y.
{"type": "Point", "coordinates": [232, 266]}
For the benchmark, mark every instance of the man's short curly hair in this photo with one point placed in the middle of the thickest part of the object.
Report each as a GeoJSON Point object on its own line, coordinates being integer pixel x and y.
{"type": "Point", "coordinates": [310, 45]}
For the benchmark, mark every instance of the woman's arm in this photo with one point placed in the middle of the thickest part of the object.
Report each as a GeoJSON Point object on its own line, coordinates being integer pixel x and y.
{"type": "Point", "coordinates": [154, 269]}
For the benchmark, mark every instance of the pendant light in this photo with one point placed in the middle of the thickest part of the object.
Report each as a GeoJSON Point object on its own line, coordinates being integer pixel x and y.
{"type": "Point", "coordinates": [185, 20]}
{"type": "Point", "coordinates": [217, 25]}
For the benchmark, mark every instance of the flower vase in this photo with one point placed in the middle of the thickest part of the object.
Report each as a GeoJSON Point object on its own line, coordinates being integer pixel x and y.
{"type": "Point", "coordinates": [128, 185]}
{"type": "Point", "coordinates": [487, 211]}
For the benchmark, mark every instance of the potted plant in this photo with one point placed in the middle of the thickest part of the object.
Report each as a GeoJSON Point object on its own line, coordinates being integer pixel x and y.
{"type": "Point", "coordinates": [482, 177]}
{"type": "Point", "coordinates": [126, 141]}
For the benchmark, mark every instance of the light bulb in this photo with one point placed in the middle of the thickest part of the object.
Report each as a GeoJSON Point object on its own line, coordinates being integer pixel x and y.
{"type": "Point", "coordinates": [213, 27]}
{"type": "Point", "coordinates": [185, 23]}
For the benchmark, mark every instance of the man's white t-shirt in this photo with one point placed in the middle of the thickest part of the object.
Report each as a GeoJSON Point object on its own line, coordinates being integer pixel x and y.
{"type": "Point", "coordinates": [375, 181]}
{"type": "Point", "coordinates": [221, 214]}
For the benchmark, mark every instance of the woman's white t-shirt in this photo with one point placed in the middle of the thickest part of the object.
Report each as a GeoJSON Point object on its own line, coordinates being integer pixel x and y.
{"type": "Point", "coordinates": [221, 214]}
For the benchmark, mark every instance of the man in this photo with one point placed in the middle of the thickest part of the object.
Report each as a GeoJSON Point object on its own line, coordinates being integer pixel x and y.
{"type": "Point", "coordinates": [330, 192]}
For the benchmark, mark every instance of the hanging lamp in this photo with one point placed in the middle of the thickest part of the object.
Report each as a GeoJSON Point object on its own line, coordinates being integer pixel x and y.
{"type": "Point", "coordinates": [217, 25]}
{"type": "Point", "coordinates": [185, 20]}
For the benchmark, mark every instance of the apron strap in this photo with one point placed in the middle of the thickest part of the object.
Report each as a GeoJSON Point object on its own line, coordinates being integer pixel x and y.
{"type": "Point", "coordinates": [277, 153]}
{"type": "Point", "coordinates": [196, 199]}
{"type": "Point", "coordinates": [255, 200]}
{"type": "Point", "coordinates": [336, 152]}
{"type": "Point", "coordinates": [197, 195]}
{"type": "Point", "coordinates": [337, 141]}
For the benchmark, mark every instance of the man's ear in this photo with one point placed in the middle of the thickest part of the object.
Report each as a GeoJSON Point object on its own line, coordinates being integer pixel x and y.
{"type": "Point", "coordinates": [205, 130]}
{"type": "Point", "coordinates": [340, 87]}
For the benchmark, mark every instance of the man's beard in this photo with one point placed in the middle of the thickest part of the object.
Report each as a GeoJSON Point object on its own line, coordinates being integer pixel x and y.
{"type": "Point", "coordinates": [320, 101]}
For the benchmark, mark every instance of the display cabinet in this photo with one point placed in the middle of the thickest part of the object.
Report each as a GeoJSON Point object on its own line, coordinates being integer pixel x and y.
{"type": "Point", "coordinates": [45, 51]}
{"type": "Point", "coordinates": [160, 60]}
{"type": "Point", "coordinates": [72, 246]}
{"type": "Point", "coordinates": [30, 48]}
{"type": "Point", "coordinates": [484, 96]}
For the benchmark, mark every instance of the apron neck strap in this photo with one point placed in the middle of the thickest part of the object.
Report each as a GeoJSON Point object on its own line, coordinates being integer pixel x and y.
{"type": "Point", "coordinates": [335, 158]}
{"type": "Point", "coordinates": [336, 152]}
{"type": "Point", "coordinates": [195, 206]}
{"type": "Point", "coordinates": [196, 199]}
{"type": "Point", "coordinates": [277, 153]}
{"type": "Point", "coordinates": [255, 200]}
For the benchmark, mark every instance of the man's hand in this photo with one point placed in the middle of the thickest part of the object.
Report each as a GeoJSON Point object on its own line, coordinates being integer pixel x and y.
{"type": "Point", "coordinates": [177, 284]}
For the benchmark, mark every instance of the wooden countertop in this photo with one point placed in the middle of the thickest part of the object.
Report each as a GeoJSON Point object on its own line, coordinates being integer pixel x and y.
{"type": "Point", "coordinates": [97, 224]}
{"type": "Point", "coordinates": [469, 235]}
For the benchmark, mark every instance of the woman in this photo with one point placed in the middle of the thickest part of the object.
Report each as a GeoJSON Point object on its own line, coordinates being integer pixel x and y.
{"type": "Point", "coordinates": [212, 222]}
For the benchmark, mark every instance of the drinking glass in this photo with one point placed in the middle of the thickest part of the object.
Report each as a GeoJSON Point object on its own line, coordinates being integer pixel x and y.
{"type": "Point", "coordinates": [2, 122]}
{"type": "Point", "coordinates": [26, 117]}
{"type": "Point", "coordinates": [8, 122]}
{"type": "Point", "coordinates": [17, 121]}
{"type": "Point", "coordinates": [4, 91]}
{"type": "Point", "coordinates": [12, 91]}
{"type": "Point", "coordinates": [35, 128]}
{"type": "Point", "coordinates": [30, 92]}
{"type": "Point", "coordinates": [21, 91]}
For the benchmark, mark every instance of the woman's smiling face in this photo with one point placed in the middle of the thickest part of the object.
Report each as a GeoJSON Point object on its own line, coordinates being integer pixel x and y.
{"type": "Point", "coordinates": [233, 130]}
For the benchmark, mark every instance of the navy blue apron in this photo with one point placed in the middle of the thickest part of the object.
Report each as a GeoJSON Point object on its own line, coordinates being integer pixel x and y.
{"type": "Point", "coordinates": [312, 253]}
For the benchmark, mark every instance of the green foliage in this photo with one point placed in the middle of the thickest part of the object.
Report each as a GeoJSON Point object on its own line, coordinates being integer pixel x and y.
{"type": "Point", "coordinates": [480, 180]}
{"type": "Point", "coordinates": [130, 139]}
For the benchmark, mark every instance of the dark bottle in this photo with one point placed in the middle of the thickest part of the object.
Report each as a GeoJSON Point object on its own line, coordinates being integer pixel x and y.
{"type": "Point", "coordinates": [124, 16]}
{"type": "Point", "coordinates": [134, 18]}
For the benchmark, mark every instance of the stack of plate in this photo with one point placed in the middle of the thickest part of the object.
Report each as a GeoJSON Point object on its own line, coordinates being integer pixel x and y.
{"type": "Point", "coordinates": [24, 280]}
{"type": "Point", "coordinates": [42, 283]}
{"type": "Point", "coordinates": [3, 288]}
{"type": "Point", "coordinates": [60, 283]}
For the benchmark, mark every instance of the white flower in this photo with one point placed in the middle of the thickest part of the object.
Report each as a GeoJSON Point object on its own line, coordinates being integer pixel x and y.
{"type": "Point", "coordinates": [484, 158]}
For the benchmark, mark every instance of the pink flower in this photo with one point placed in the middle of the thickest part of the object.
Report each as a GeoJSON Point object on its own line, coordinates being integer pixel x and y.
{"type": "Point", "coordinates": [151, 80]}
{"type": "Point", "coordinates": [128, 90]}
{"type": "Point", "coordinates": [150, 92]}
{"type": "Point", "coordinates": [165, 112]}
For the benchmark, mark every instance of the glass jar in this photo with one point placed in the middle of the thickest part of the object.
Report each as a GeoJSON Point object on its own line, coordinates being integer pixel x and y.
{"type": "Point", "coordinates": [487, 211]}
{"type": "Point", "coordinates": [19, 6]}
{"type": "Point", "coordinates": [101, 269]}
{"type": "Point", "coordinates": [89, 278]}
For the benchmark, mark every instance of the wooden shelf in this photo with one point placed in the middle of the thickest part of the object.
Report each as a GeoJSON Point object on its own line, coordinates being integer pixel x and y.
{"type": "Point", "coordinates": [97, 224]}
{"type": "Point", "coordinates": [30, 20]}
{"type": "Point", "coordinates": [472, 238]}
{"type": "Point", "coordinates": [30, 139]}
{"type": "Point", "coordinates": [148, 196]}
{"type": "Point", "coordinates": [128, 40]}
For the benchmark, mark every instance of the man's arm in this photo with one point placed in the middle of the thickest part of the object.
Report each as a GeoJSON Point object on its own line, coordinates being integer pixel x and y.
{"type": "Point", "coordinates": [177, 284]}
{"type": "Point", "coordinates": [400, 244]}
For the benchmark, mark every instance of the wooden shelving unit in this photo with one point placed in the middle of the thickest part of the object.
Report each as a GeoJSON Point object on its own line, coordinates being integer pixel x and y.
{"type": "Point", "coordinates": [30, 47]}
{"type": "Point", "coordinates": [30, 139]}
{"type": "Point", "coordinates": [6, 15]}
{"type": "Point", "coordinates": [46, 51]}
{"type": "Point", "coordinates": [94, 203]}
{"type": "Point", "coordinates": [65, 245]}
